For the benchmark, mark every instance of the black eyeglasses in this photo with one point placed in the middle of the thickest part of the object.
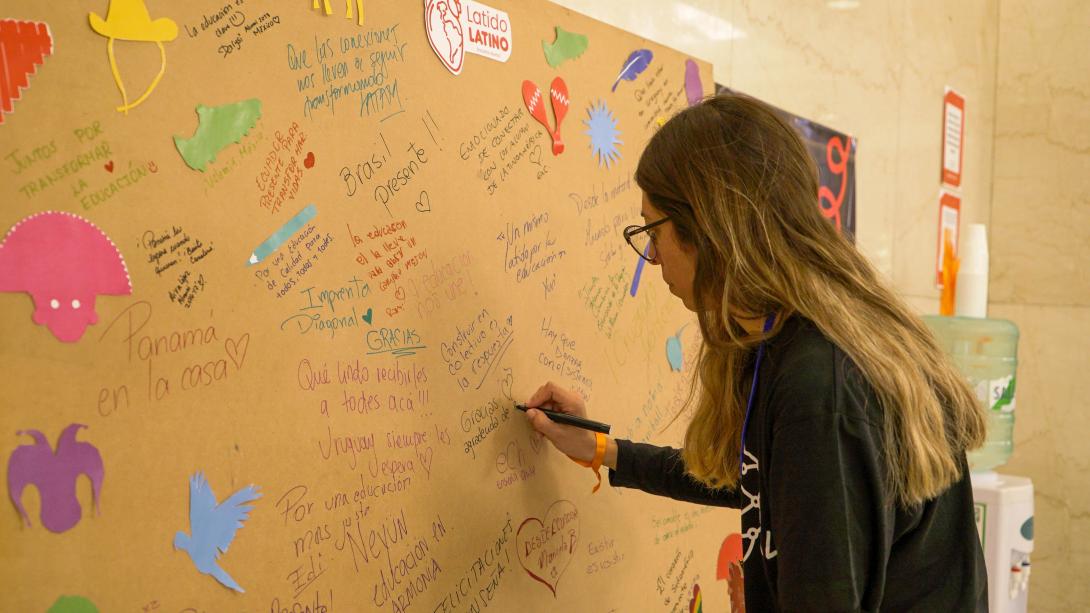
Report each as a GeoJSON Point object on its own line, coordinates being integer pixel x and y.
{"type": "Point", "coordinates": [642, 239]}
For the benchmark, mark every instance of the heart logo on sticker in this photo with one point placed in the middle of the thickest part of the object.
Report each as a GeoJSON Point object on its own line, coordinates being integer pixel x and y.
{"type": "Point", "coordinates": [308, 162]}
{"type": "Point", "coordinates": [546, 546]}
{"type": "Point", "coordinates": [236, 350]}
{"type": "Point", "coordinates": [368, 316]}
{"type": "Point", "coordinates": [443, 23]}
{"type": "Point", "coordinates": [109, 166]}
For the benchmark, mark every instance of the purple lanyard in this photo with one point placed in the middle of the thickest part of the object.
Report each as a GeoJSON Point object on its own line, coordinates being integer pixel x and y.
{"type": "Point", "coordinates": [753, 392]}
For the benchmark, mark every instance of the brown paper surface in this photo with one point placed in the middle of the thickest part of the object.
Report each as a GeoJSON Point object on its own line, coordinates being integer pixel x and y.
{"type": "Point", "coordinates": [362, 375]}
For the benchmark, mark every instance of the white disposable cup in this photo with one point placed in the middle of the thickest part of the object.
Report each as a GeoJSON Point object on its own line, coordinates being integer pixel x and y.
{"type": "Point", "coordinates": [971, 295]}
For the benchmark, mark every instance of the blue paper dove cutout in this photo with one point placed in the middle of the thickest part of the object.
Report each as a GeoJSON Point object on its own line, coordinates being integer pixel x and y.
{"type": "Point", "coordinates": [213, 526]}
{"type": "Point", "coordinates": [635, 64]}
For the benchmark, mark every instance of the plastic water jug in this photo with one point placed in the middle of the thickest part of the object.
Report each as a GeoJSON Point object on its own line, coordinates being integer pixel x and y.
{"type": "Point", "coordinates": [986, 352]}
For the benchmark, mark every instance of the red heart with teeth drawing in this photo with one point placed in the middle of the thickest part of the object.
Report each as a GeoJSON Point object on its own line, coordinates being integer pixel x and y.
{"type": "Point", "coordinates": [535, 103]}
{"type": "Point", "coordinates": [546, 546]}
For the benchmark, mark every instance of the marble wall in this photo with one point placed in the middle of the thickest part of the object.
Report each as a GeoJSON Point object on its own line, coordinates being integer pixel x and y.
{"type": "Point", "coordinates": [1040, 275]}
{"type": "Point", "coordinates": [876, 70]}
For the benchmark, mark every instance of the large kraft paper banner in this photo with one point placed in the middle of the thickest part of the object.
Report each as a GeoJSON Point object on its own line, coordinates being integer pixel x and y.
{"type": "Point", "coordinates": [347, 263]}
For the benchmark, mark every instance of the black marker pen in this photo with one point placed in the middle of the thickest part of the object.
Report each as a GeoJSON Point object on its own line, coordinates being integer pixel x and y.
{"type": "Point", "coordinates": [571, 420]}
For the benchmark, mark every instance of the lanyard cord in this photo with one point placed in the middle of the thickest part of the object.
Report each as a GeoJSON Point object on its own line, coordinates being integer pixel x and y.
{"type": "Point", "coordinates": [752, 392]}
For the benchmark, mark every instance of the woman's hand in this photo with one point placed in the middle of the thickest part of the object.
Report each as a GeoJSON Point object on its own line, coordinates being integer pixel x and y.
{"type": "Point", "coordinates": [574, 442]}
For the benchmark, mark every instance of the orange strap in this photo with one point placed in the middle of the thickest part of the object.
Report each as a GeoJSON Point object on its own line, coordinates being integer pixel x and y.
{"type": "Point", "coordinates": [599, 455]}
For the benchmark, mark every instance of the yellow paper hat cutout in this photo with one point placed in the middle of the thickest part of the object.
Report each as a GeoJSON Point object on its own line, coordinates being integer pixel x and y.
{"type": "Point", "coordinates": [129, 20]}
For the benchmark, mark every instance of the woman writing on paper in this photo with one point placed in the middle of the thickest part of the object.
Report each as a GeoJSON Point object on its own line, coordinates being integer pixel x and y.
{"type": "Point", "coordinates": [824, 409]}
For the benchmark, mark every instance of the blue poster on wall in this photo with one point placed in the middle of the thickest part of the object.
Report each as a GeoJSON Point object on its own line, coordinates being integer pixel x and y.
{"type": "Point", "coordinates": [834, 154]}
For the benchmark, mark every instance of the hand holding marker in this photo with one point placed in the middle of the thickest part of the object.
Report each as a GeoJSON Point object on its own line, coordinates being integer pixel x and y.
{"type": "Point", "coordinates": [571, 442]}
{"type": "Point", "coordinates": [571, 420]}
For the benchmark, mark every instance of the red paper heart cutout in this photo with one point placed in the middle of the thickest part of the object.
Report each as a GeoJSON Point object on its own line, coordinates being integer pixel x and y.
{"type": "Point", "coordinates": [546, 547]}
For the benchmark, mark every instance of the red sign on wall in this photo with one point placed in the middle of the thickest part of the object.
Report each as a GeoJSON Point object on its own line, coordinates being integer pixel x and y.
{"type": "Point", "coordinates": [949, 215]}
{"type": "Point", "coordinates": [953, 137]}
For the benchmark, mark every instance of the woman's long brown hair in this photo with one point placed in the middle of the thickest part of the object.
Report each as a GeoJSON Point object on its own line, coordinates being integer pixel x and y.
{"type": "Point", "coordinates": [739, 186]}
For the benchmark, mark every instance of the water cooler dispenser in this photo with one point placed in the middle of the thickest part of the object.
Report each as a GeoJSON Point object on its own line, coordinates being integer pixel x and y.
{"type": "Point", "coordinates": [986, 352]}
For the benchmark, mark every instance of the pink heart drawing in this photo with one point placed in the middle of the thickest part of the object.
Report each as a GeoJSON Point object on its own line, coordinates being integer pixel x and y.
{"type": "Point", "coordinates": [425, 457]}
{"type": "Point", "coordinates": [546, 546]}
{"type": "Point", "coordinates": [443, 23]}
{"type": "Point", "coordinates": [236, 350]}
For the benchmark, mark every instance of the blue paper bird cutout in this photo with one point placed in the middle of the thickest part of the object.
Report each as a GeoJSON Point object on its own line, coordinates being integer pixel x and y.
{"type": "Point", "coordinates": [213, 526]}
{"type": "Point", "coordinates": [635, 64]}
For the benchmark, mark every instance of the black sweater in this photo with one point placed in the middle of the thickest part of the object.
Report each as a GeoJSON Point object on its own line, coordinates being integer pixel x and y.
{"type": "Point", "coordinates": [818, 530]}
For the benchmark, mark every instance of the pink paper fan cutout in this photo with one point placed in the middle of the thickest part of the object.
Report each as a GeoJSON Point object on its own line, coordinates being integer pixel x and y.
{"type": "Point", "coordinates": [63, 261]}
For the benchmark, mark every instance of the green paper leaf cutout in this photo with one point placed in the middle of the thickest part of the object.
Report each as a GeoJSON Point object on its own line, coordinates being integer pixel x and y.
{"type": "Point", "coordinates": [218, 127]}
{"type": "Point", "coordinates": [567, 46]}
{"type": "Point", "coordinates": [73, 604]}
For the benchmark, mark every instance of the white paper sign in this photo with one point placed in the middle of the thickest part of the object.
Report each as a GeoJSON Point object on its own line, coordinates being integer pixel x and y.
{"type": "Point", "coordinates": [488, 31]}
{"type": "Point", "coordinates": [953, 136]}
{"type": "Point", "coordinates": [455, 28]}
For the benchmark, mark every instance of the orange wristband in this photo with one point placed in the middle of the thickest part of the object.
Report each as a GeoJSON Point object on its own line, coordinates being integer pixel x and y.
{"type": "Point", "coordinates": [596, 463]}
